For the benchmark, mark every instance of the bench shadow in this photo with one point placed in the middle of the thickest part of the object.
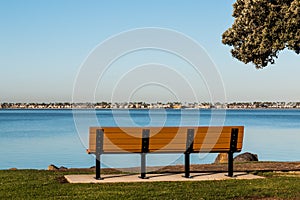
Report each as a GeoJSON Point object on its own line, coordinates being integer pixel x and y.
{"type": "Point", "coordinates": [150, 176]}
{"type": "Point", "coordinates": [137, 175]}
{"type": "Point", "coordinates": [203, 174]}
{"type": "Point", "coordinates": [240, 174]}
{"type": "Point", "coordinates": [174, 173]}
{"type": "Point", "coordinates": [160, 175]}
{"type": "Point", "coordinates": [118, 176]}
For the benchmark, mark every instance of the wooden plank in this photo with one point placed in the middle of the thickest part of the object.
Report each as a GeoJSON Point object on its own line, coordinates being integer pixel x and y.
{"type": "Point", "coordinates": [168, 136]}
{"type": "Point", "coordinates": [198, 141]}
{"type": "Point", "coordinates": [126, 151]}
{"type": "Point", "coordinates": [122, 136]}
{"type": "Point", "coordinates": [211, 150]}
{"type": "Point", "coordinates": [213, 129]}
{"type": "Point", "coordinates": [92, 140]}
{"type": "Point", "coordinates": [167, 141]}
{"type": "Point", "coordinates": [206, 129]}
{"type": "Point", "coordinates": [123, 142]}
{"type": "Point", "coordinates": [167, 146]}
{"type": "Point", "coordinates": [239, 146]}
{"type": "Point", "coordinates": [166, 130]}
{"type": "Point", "coordinates": [161, 149]}
{"type": "Point", "coordinates": [215, 147]}
{"type": "Point", "coordinates": [137, 132]}
{"type": "Point", "coordinates": [215, 135]}
{"type": "Point", "coordinates": [105, 140]}
{"type": "Point", "coordinates": [123, 129]}
{"type": "Point", "coordinates": [167, 150]}
{"type": "Point", "coordinates": [121, 146]}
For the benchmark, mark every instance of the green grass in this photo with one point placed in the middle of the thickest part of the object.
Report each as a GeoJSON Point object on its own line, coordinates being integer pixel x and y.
{"type": "Point", "coordinates": [42, 184]}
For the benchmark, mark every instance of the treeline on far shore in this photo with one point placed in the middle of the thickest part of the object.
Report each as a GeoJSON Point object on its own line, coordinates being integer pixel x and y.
{"type": "Point", "coordinates": [157, 105]}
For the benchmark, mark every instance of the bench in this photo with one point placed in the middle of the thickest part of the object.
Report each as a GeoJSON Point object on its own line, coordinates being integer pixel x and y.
{"type": "Point", "coordinates": [144, 140]}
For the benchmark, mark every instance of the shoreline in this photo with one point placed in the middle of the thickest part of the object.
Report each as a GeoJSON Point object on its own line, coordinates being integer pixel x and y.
{"type": "Point", "coordinates": [157, 105]}
{"type": "Point", "coordinates": [149, 109]}
{"type": "Point", "coordinates": [251, 166]}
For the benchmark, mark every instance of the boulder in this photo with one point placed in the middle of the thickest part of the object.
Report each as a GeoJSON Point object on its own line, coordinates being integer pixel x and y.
{"type": "Point", "coordinates": [52, 167]}
{"type": "Point", "coordinates": [246, 157]}
{"type": "Point", "coordinates": [221, 158]}
{"type": "Point", "coordinates": [62, 168]}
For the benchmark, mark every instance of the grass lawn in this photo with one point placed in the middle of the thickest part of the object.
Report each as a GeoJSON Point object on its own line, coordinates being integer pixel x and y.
{"type": "Point", "coordinates": [42, 184]}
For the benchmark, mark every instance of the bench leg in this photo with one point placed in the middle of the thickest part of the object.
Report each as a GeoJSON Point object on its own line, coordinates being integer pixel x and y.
{"type": "Point", "coordinates": [187, 165]}
{"type": "Point", "coordinates": [98, 168]}
{"type": "Point", "coordinates": [230, 164]}
{"type": "Point", "coordinates": [143, 166]}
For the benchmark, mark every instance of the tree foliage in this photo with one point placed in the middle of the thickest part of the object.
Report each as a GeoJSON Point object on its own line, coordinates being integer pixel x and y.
{"type": "Point", "coordinates": [262, 28]}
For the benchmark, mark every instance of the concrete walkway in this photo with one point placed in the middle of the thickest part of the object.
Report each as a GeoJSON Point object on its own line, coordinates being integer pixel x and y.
{"type": "Point", "coordinates": [126, 178]}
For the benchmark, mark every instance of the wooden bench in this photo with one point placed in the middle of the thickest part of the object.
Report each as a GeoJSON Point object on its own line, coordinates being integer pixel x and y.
{"type": "Point", "coordinates": [144, 140]}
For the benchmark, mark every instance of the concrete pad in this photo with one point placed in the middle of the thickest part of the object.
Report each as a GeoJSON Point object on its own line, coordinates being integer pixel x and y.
{"type": "Point", "coordinates": [127, 178]}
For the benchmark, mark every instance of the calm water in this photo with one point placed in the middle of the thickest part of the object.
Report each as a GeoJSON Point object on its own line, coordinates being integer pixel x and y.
{"type": "Point", "coordinates": [38, 138]}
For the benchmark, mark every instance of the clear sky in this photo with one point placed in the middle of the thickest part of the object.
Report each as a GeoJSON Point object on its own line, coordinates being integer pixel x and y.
{"type": "Point", "coordinates": [44, 43]}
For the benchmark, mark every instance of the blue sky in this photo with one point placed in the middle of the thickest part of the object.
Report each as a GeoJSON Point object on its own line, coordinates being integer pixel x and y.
{"type": "Point", "coordinates": [44, 43]}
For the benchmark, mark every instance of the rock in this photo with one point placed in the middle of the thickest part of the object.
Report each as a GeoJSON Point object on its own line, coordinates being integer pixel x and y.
{"type": "Point", "coordinates": [221, 158]}
{"type": "Point", "coordinates": [52, 167]}
{"type": "Point", "coordinates": [246, 157]}
{"type": "Point", "coordinates": [13, 169]}
{"type": "Point", "coordinates": [62, 168]}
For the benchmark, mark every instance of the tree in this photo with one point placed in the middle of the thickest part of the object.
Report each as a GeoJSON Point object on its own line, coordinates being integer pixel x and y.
{"type": "Point", "coordinates": [262, 28]}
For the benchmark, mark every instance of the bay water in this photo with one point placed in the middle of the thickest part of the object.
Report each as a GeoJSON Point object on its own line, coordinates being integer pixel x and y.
{"type": "Point", "coordinates": [37, 138]}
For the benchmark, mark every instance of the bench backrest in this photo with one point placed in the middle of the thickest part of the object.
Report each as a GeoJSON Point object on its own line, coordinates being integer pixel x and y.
{"type": "Point", "coordinates": [166, 139]}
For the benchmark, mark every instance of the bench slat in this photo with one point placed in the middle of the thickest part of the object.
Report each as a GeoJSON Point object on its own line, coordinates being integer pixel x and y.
{"type": "Point", "coordinates": [161, 148]}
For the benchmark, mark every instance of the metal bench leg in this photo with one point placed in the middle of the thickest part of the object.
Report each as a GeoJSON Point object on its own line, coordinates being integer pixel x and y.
{"type": "Point", "coordinates": [99, 150]}
{"type": "Point", "coordinates": [187, 165]}
{"type": "Point", "coordinates": [143, 166]}
{"type": "Point", "coordinates": [230, 164]}
{"type": "Point", "coordinates": [98, 168]}
{"type": "Point", "coordinates": [233, 148]}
